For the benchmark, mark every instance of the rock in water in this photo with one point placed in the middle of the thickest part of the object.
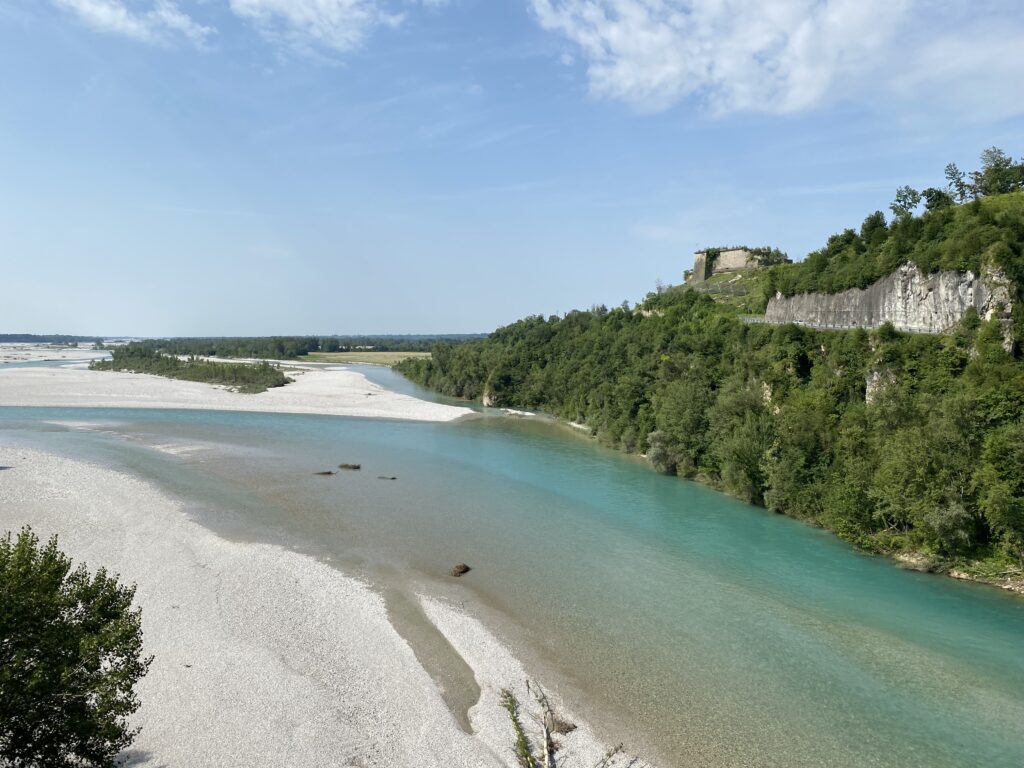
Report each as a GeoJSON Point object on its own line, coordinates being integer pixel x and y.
{"type": "Point", "coordinates": [350, 466]}
{"type": "Point", "coordinates": [460, 569]}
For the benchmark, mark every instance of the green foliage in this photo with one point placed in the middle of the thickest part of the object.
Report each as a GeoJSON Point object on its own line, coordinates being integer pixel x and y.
{"type": "Point", "coordinates": [989, 229]}
{"type": "Point", "coordinates": [70, 656]}
{"type": "Point", "coordinates": [906, 202]}
{"type": "Point", "coordinates": [524, 752]}
{"type": "Point", "coordinates": [141, 358]}
{"type": "Point", "coordinates": [999, 482]}
{"type": "Point", "coordinates": [291, 347]}
{"type": "Point", "coordinates": [779, 415]}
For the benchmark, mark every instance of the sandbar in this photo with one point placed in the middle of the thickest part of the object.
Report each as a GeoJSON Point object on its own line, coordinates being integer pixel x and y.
{"type": "Point", "coordinates": [264, 656]}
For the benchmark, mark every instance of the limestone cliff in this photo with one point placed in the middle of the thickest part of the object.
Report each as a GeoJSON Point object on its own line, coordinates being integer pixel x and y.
{"type": "Point", "coordinates": [909, 299]}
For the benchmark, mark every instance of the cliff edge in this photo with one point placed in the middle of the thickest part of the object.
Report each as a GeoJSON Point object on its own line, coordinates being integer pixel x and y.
{"type": "Point", "coordinates": [907, 298]}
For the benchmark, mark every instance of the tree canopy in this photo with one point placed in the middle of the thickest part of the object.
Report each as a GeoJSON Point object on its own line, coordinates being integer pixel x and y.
{"type": "Point", "coordinates": [988, 228]}
{"type": "Point", "coordinates": [70, 656]}
{"type": "Point", "coordinates": [894, 441]}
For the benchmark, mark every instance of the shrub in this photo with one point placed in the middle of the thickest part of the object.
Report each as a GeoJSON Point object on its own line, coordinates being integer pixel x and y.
{"type": "Point", "coordinates": [70, 655]}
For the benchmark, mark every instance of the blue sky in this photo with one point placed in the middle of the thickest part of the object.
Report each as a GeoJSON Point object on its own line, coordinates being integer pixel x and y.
{"type": "Point", "coordinates": [386, 166]}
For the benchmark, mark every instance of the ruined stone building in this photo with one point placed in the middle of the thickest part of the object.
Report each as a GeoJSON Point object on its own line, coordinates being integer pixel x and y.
{"type": "Point", "coordinates": [714, 261]}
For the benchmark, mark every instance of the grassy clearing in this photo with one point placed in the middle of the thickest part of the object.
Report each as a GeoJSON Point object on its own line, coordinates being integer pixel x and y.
{"type": "Point", "coordinates": [378, 358]}
{"type": "Point", "coordinates": [743, 290]}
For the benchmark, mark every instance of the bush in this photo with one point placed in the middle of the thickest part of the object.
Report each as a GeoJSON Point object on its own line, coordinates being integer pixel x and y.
{"type": "Point", "coordinates": [70, 655]}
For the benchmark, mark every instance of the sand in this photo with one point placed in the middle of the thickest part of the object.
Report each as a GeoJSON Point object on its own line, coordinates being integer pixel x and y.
{"type": "Point", "coordinates": [319, 391]}
{"type": "Point", "coordinates": [26, 353]}
{"type": "Point", "coordinates": [264, 656]}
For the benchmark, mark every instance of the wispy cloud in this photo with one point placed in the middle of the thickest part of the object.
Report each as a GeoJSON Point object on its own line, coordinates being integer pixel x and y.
{"type": "Point", "coordinates": [163, 22]}
{"type": "Point", "coordinates": [336, 25]}
{"type": "Point", "coordinates": [783, 56]}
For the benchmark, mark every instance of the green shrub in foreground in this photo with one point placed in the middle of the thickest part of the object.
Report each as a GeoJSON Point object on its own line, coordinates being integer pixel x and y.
{"type": "Point", "coordinates": [70, 655]}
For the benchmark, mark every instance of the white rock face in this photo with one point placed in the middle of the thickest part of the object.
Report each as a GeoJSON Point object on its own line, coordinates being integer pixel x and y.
{"type": "Point", "coordinates": [909, 299]}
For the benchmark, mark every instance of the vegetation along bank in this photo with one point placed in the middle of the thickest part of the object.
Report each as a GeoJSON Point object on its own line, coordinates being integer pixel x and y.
{"type": "Point", "coordinates": [141, 358]}
{"type": "Point", "coordinates": [905, 444]}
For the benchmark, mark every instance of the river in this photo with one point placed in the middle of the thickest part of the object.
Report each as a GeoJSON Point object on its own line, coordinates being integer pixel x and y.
{"type": "Point", "coordinates": [686, 623]}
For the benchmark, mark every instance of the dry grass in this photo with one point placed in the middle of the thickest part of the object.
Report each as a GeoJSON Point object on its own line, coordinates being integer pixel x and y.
{"type": "Point", "coordinates": [379, 358]}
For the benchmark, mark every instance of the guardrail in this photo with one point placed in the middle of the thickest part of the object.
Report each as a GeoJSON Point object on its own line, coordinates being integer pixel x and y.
{"type": "Point", "coordinates": [762, 320]}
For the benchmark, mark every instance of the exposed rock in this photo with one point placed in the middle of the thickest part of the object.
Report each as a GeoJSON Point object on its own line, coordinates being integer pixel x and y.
{"type": "Point", "coordinates": [460, 569]}
{"type": "Point", "coordinates": [909, 299]}
{"type": "Point", "coordinates": [915, 561]}
{"type": "Point", "coordinates": [876, 381]}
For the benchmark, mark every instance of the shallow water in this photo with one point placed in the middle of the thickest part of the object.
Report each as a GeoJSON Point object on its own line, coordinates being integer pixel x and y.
{"type": "Point", "coordinates": [711, 631]}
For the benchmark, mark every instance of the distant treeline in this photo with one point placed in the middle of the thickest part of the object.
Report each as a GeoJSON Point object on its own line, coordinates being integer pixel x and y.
{"type": "Point", "coordinates": [33, 338]}
{"type": "Point", "coordinates": [138, 357]}
{"type": "Point", "coordinates": [291, 347]}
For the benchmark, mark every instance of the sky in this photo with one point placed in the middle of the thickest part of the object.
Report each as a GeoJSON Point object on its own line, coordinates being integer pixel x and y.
{"type": "Point", "coordinates": [253, 167]}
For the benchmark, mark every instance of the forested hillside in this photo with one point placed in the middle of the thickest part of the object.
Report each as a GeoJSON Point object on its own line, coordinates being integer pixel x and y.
{"type": "Point", "coordinates": [894, 441]}
{"type": "Point", "coordinates": [963, 226]}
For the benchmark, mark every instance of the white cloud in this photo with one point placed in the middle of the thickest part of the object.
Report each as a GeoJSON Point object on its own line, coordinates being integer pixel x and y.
{"type": "Point", "coordinates": [340, 25]}
{"type": "Point", "coordinates": [778, 56]}
{"type": "Point", "coordinates": [163, 22]}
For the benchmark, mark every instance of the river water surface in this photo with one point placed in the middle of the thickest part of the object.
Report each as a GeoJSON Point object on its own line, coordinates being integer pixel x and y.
{"type": "Point", "coordinates": [694, 627]}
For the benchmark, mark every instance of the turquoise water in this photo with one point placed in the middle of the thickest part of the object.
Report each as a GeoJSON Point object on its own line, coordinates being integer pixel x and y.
{"type": "Point", "coordinates": [43, 363]}
{"type": "Point", "coordinates": [700, 628]}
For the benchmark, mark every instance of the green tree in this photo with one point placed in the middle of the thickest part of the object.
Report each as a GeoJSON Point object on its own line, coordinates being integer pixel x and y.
{"type": "Point", "coordinates": [957, 182]}
{"type": "Point", "coordinates": [1000, 485]}
{"type": "Point", "coordinates": [906, 202]}
{"type": "Point", "coordinates": [998, 174]}
{"type": "Point", "coordinates": [70, 655]}
{"type": "Point", "coordinates": [935, 198]}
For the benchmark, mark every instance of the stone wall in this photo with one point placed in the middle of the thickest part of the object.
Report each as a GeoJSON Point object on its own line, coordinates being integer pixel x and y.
{"type": "Point", "coordinates": [728, 260]}
{"type": "Point", "coordinates": [700, 268]}
{"type": "Point", "coordinates": [909, 299]}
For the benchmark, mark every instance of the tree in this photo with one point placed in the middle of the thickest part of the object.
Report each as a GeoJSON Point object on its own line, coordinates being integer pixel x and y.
{"type": "Point", "coordinates": [1000, 485]}
{"type": "Point", "coordinates": [935, 198]}
{"type": "Point", "coordinates": [957, 182]}
{"type": "Point", "coordinates": [998, 174]}
{"type": "Point", "coordinates": [70, 655]}
{"type": "Point", "coordinates": [907, 200]}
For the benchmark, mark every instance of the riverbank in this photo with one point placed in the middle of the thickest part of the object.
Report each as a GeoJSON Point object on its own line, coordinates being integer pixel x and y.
{"type": "Point", "coordinates": [264, 656]}
{"type": "Point", "coordinates": [314, 391]}
{"type": "Point", "coordinates": [30, 353]}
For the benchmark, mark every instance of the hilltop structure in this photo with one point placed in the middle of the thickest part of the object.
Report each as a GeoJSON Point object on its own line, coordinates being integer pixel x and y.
{"type": "Point", "coordinates": [715, 261]}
